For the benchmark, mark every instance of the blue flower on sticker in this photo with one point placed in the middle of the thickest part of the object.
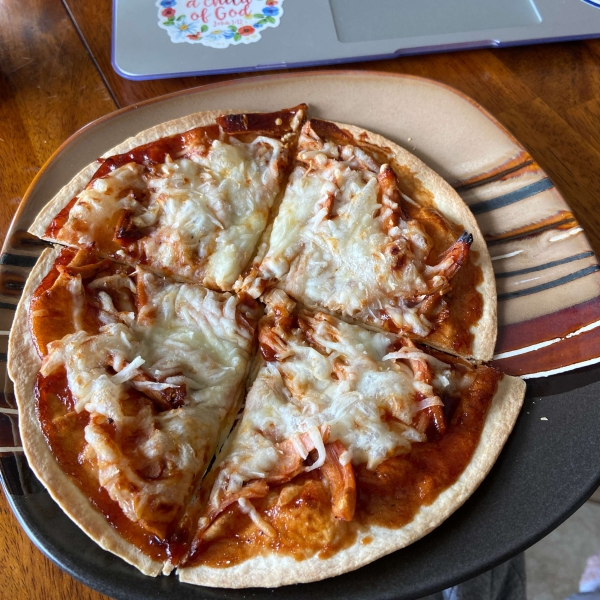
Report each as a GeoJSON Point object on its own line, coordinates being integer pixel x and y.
{"type": "Point", "coordinates": [258, 25]}
{"type": "Point", "coordinates": [228, 34]}
{"type": "Point", "coordinates": [270, 11]}
{"type": "Point", "coordinates": [184, 28]}
{"type": "Point", "coordinates": [168, 3]}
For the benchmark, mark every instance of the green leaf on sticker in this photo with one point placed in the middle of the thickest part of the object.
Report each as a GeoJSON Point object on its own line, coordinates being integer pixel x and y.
{"type": "Point", "coordinates": [204, 28]}
{"type": "Point", "coordinates": [180, 17]}
{"type": "Point", "coordinates": [259, 16]}
{"type": "Point", "coordinates": [270, 19]}
{"type": "Point", "coordinates": [233, 28]}
{"type": "Point", "coordinates": [237, 37]}
{"type": "Point", "coordinates": [168, 22]}
{"type": "Point", "coordinates": [261, 22]}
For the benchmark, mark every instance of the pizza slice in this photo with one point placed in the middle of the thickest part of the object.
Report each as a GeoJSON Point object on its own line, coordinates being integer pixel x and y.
{"type": "Point", "coordinates": [189, 198]}
{"type": "Point", "coordinates": [127, 382]}
{"type": "Point", "coordinates": [352, 444]}
{"type": "Point", "coordinates": [367, 231]}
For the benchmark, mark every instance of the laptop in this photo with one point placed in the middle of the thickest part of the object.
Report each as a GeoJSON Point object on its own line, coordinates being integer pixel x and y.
{"type": "Point", "coordinates": [172, 38]}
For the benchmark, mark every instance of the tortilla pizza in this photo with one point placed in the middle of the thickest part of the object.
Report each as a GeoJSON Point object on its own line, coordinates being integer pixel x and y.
{"type": "Point", "coordinates": [367, 415]}
{"type": "Point", "coordinates": [127, 383]}
{"type": "Point", "coordinates": [352, 444]}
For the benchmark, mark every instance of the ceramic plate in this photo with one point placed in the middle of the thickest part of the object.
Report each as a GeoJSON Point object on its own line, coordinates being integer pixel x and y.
{"type": "Point", "coordinates": [548, 285]}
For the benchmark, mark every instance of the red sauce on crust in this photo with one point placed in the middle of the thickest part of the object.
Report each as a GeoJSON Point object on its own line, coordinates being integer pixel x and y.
{"type": "Point", "coordinates": [298, 511]}
{"type": "Point", "coordinates": [390, 496]}
{"type": "Point", "coordinates": [59, 220]}
{"type": "Point", "coordinates": [63, 429]}
{"type": "Point", "coordinates": [460, 308]}
{"type": "Point", "coordinates": [51, 318]}
{"type": "Point", "coordinates": [245, 126]}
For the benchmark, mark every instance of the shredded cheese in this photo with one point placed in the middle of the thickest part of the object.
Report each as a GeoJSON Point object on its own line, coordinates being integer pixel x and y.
{"type": "Point", "coordinates": [128, 372]}
{"type": "Point", "coordinates": [332, 245]}
{"type": "Point", "coordinates": [336, 382]}
{"type": "Point", "coordinates": [201, 216]}
{"type": "Point", "coordinates": [192, 342]}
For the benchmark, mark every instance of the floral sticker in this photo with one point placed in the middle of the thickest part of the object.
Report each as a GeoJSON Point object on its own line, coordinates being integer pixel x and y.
{"type": "Point", "coordinates": [218, 23]}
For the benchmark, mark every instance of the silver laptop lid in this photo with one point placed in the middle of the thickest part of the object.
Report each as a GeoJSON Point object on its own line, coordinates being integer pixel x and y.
{"type": "Point", "coordinates": [171, 38]}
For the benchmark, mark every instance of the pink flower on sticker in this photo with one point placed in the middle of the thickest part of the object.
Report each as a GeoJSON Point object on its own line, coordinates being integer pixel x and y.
{"type": "Point", "coordinates": [168, 12]}
{"type": "Point", "coordinates": [246, 30]}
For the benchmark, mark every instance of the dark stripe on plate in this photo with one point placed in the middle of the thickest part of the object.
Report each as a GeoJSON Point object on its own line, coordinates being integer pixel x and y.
{"type": "Point", "coordinates": [528, 233]}
{"type": "Point", "coordinates": [11, 475]}
{"type": "Point", "coordinates": [561, 383]}
{"type": "Point", "coordinates": [567, 352]}
{"type": "Point", "coordinates": [551, 284]}
{"type": "Point", "coordinates": [9, 430]}
{"type": "Point", "coordinates": [548, 326]}
{"type": "Point", "coordinates": [3, 357]}
{"type": "Point", "coordinates": [8, 306]}
{"type": "Point", "coordinates": [22, 239]}
{"type": "Point", "coordinates": [18, 260]}
{"type": "Point", "coordinates": [548, 265]}
{"type": "Point", "coordinates": [526, 192]}
{"type": "Point", "coordinates": [12, 285]}
{"type": "Point", "coordinates": [495, 177]}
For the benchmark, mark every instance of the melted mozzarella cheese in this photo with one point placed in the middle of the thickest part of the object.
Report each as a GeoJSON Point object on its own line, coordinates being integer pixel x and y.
{"type": "Point", "coordinates": [342, 385]}
{"type": "Point", "coordinates": [98, 204]}
{"type": "Point", "coordinates": [192, 339]}
{"type": "Point", "coordinates": [330, 246]}
{"type": "Point", "coordinates": [201, 217]}
{"type": "Point", "coordinates": [212, 209]}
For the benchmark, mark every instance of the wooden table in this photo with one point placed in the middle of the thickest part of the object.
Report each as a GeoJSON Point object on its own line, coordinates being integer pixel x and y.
{"type": "Point", "coordinates": [56, 76]}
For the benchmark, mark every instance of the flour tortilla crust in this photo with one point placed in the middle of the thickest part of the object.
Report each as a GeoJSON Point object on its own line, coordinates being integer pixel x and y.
{"type": "Point", "coordinates": [23, 367]}
{"type": "Point", "coordinates": [78, 183]}
{"type": "Point", "coordinates": [273, 570]}
{"type": "Point", "coordinates": [269, 570]}
{"type": "Point", "coordinates": [447, 201]}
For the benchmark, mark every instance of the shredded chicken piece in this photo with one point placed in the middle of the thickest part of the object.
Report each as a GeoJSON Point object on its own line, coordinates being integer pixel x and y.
{"type": "Point", "coordinates": [164, 399]}
{"type": "Point", "coordinates": [432, 415]}
{"type": "Point", "coordinates": [341, 482]}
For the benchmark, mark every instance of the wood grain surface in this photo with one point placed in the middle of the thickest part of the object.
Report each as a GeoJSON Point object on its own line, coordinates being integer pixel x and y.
{"type": "Point", "coordinates": [56, 76]}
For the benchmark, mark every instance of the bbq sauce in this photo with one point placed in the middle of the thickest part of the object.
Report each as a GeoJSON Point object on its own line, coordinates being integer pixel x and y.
{"type": "Point", "coordinates": [390, 496]}
{"type": "Point", "coordinates": [63, 429]}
